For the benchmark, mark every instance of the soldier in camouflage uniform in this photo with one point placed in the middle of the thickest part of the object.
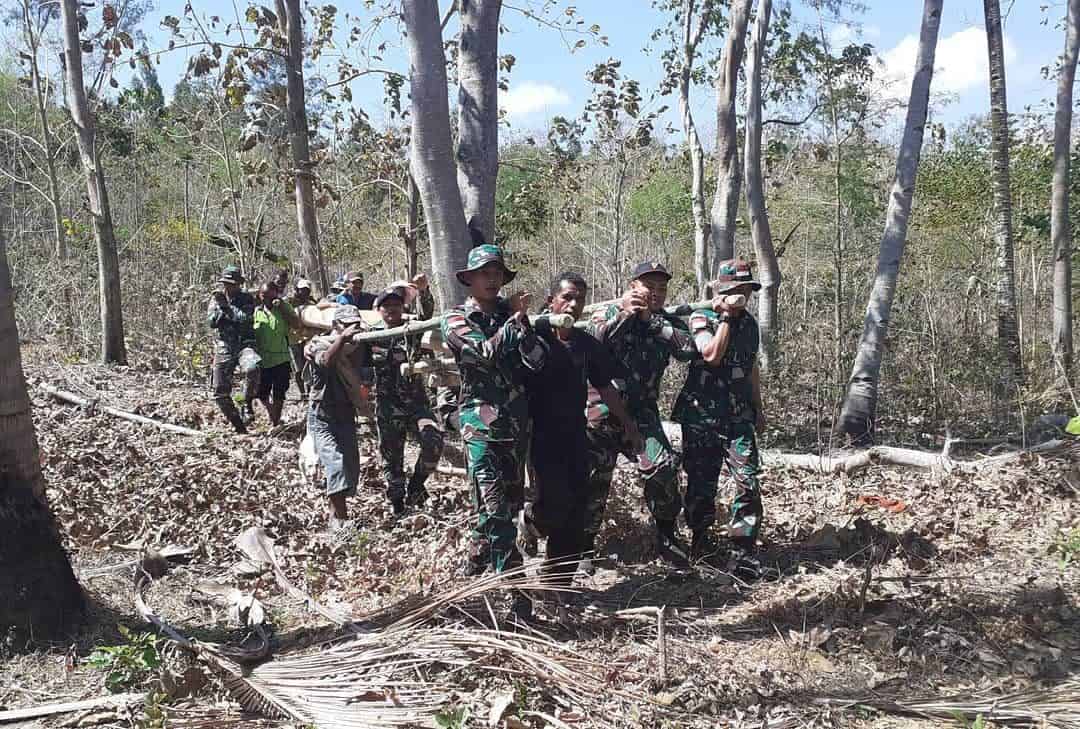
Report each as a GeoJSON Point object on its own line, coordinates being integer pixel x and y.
{"type": "Point", "coordinates": [231, 313]}
{"type": "Point", "coordinates": [643, 339]}
{"type": "Point", "coordinates": [720, 410]}
{"type": "Point", "coordinates": [493, 343]}
{"type": "Point", "coordinates": [401, 407]}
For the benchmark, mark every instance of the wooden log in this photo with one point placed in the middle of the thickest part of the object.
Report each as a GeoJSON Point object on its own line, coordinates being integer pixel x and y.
{"type": "Point", "coordinates": [117, 701]}
{"type": "Point", "coordinates": [115, 412]}
{"type": "Point", "coordinates": [673, 310]}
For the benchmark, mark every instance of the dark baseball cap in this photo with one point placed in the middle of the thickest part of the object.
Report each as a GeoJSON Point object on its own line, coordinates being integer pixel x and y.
{"type": "Point", "coordinates": [644, 269]}
{"type": "Point", "coordinates": [390, 293]}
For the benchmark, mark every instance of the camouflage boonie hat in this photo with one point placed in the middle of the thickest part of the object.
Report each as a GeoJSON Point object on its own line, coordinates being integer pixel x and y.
{"type": "Point", "coordinates": [483, 255]}
{"type": "Point", "coordinates": [231, 275]}
{"type": "Point", "coordinates": [347, 314]}
{"type": "Point", "coordinates": [732, 273]}
{"type": "Point", "coordinates": [338, 286]}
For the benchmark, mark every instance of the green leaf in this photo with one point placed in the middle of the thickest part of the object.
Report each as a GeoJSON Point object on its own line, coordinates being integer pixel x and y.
{"type": "Point", "coordinates": [1073, 428]}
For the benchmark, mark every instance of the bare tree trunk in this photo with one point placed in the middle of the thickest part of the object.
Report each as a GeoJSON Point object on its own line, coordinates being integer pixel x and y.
{"type": "Point", "coordinates": [478, 113]}
{"type": "Point", "coordinates": [42, 598]}
{"type": "Point", "coordinates": [728, 175]}
{"type": "Point", "coordinates": [768, 266]}
{"type": "Point", "coordinates": [432, 155]}
{"type": "Point", "coordinates": [112, 322]}
{"type": "Point", "coordinates": [1007, 327]}
{"type": "Point", "coordinates": [860, 404]}
{"type": "Point", "coordinates": [410, 231]}
{"type": "Point", "coordinates": [692, 34]}
{"type": "Point", "coordinates": [1060, 230]}
{"type": "Point", "coordinates": [307, 222]}
{"type": "Point", "coordinates": [47, 139]}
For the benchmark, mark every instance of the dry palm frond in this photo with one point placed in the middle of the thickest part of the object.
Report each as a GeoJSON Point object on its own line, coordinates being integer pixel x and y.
{"type": "Point", "coordinates": [188, 716]}
{"type": "Point", "coordinates": [399, 675]}
{"type": "Point", "coordinates": [1057, 706]}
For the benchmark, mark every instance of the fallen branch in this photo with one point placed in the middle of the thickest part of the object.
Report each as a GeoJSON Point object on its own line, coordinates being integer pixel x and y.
{"type": "Point", "coordinates": [112, 701]}
{"type": "Point", "coordinates": [1058, 706]}
{"type": "Point", "coordinates": [94, 404]}
{"type": "Point", "coordinates": [839, 462]}
{"type": "Point", "coordinates": [850, 462]}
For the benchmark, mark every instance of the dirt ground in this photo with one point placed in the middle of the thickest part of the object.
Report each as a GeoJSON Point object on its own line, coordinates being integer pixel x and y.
{"type": "Point", "coordinates": [950, 587]}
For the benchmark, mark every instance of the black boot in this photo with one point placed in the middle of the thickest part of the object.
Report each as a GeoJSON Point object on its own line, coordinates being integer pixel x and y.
{"type": "Point", "coordinates": [228, 409]}
{"type": "Point", "coordinates": [703, 548]}
{"type": "Point", "coordinates": [744, 563]}
{"type": "Point", "coordinates": [416, 493]}
{"type": "Point", "coordinates": [669, 547]}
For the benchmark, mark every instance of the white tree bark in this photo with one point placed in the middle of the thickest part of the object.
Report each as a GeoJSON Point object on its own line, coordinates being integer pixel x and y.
{"type": "Point", "coordinates": [478, 112]}
{"type": "Point", "coordinates": [432, 154]}
{"type": "Point", "coordinates": [728, 174]}
{"type": "Point", "coordinates": [1060, 230]}
{"type": "Point", "coordinates": [692, 34]}
{"type": "Point", "coordinates": [860, 403]}
{"type": "Point", "coordinates": [1008, 337]}
{"type": "Point", "coordinates": [306, 218]}
{"type": "Point", "coordinates": [112, 322]}
{"type": "Point", "coordinates": [768, 266]}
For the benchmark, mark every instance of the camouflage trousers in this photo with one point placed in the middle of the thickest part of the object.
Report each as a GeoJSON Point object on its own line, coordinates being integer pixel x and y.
{"type": "Point", "coordinates": [706, 451]}
{"type": "Point", "coordinates": [497, 486]}
{"type": "Point", "coordinates": [394, 424]}
{"type": "Point", "coordinates": [658, 467]}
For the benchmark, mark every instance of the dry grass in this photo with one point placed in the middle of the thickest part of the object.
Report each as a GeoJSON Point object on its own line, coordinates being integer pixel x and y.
{"type": "Point", "coordinates": [960, 596]}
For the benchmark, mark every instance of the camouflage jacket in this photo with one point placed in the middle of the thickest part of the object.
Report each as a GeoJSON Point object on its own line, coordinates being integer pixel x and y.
{"type": "Point", "coordinates": [395, 392]}
{"type": "Point", "coordinates": [492, 352]}
{"type": "Point", "coordinates": [642, 350]}
{"type": "Point", "coordinates": [713, 396]}
{"type": "Point", "coordinates": [234, 323]}
{"type": "Point", "coordinates": [424, 304]}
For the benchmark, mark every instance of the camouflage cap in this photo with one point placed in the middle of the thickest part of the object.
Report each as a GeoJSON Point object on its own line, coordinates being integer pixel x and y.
{"type": "Point", "coordinates": [732, 273]}
{"type": "Point", "coordinates": [231, 275]}
{"type": "Point", "coordinates": [483, 255]}
{"type": "Point", "coordinates": [347, 314]}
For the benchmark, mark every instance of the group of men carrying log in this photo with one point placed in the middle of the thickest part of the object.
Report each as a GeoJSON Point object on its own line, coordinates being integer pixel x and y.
{"type": "Point", "coordinates": [561, 396]}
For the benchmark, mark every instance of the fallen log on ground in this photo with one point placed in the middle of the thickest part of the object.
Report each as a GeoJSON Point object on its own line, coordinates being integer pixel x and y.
{"type": "Point", "coordinates": [852, 461]}
{"type": "Point", "coordinates": [94, 404]}
{"type": "Point", "coordinates": [112, 701]}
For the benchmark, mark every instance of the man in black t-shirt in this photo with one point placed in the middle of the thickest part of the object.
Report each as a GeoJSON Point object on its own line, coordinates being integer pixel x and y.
{"type": "Point", "coordinates": [559, 453]}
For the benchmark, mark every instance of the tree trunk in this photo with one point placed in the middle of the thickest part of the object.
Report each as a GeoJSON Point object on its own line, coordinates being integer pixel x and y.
{"type": "Point", "coordinates": [478, 113]}
{"type": "Point", "coordinates": [728, 175]}
{"type": "Point", "coordinates": [768, 266]}
{"type": "Point", "coordinates": [1060, 230]}
{"type": "Point", "coordinates": [112, 322]}
{"type": "Point", "coordinates": [1007, 328]}
{"type": "Point", "coordinates": [307, 222]}
{"type": "Point", "coordinates": [432, 156]}
{"type": "Point", "coordinates": [47, 140]}
{"type": "Point", "coordinates": [860, 404]}
{"type": "Point", "coordinates": [42, 600]}
{"type": "Point", "coordinates": [412, 233]}
{"type": "Point", "coordinates": [692, 34]}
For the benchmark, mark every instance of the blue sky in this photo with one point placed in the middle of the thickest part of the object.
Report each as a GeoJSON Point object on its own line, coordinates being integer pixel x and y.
{"type": "Point", "coordinates": [548, 79]}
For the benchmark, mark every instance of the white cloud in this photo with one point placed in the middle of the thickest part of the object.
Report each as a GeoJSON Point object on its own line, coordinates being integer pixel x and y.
{"type": "Point", "coordinates": [960, 63]}
{"type": "Point", "coordinates": [843, 34]}
{"type": "Point", "coordinates": [530, 97]}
